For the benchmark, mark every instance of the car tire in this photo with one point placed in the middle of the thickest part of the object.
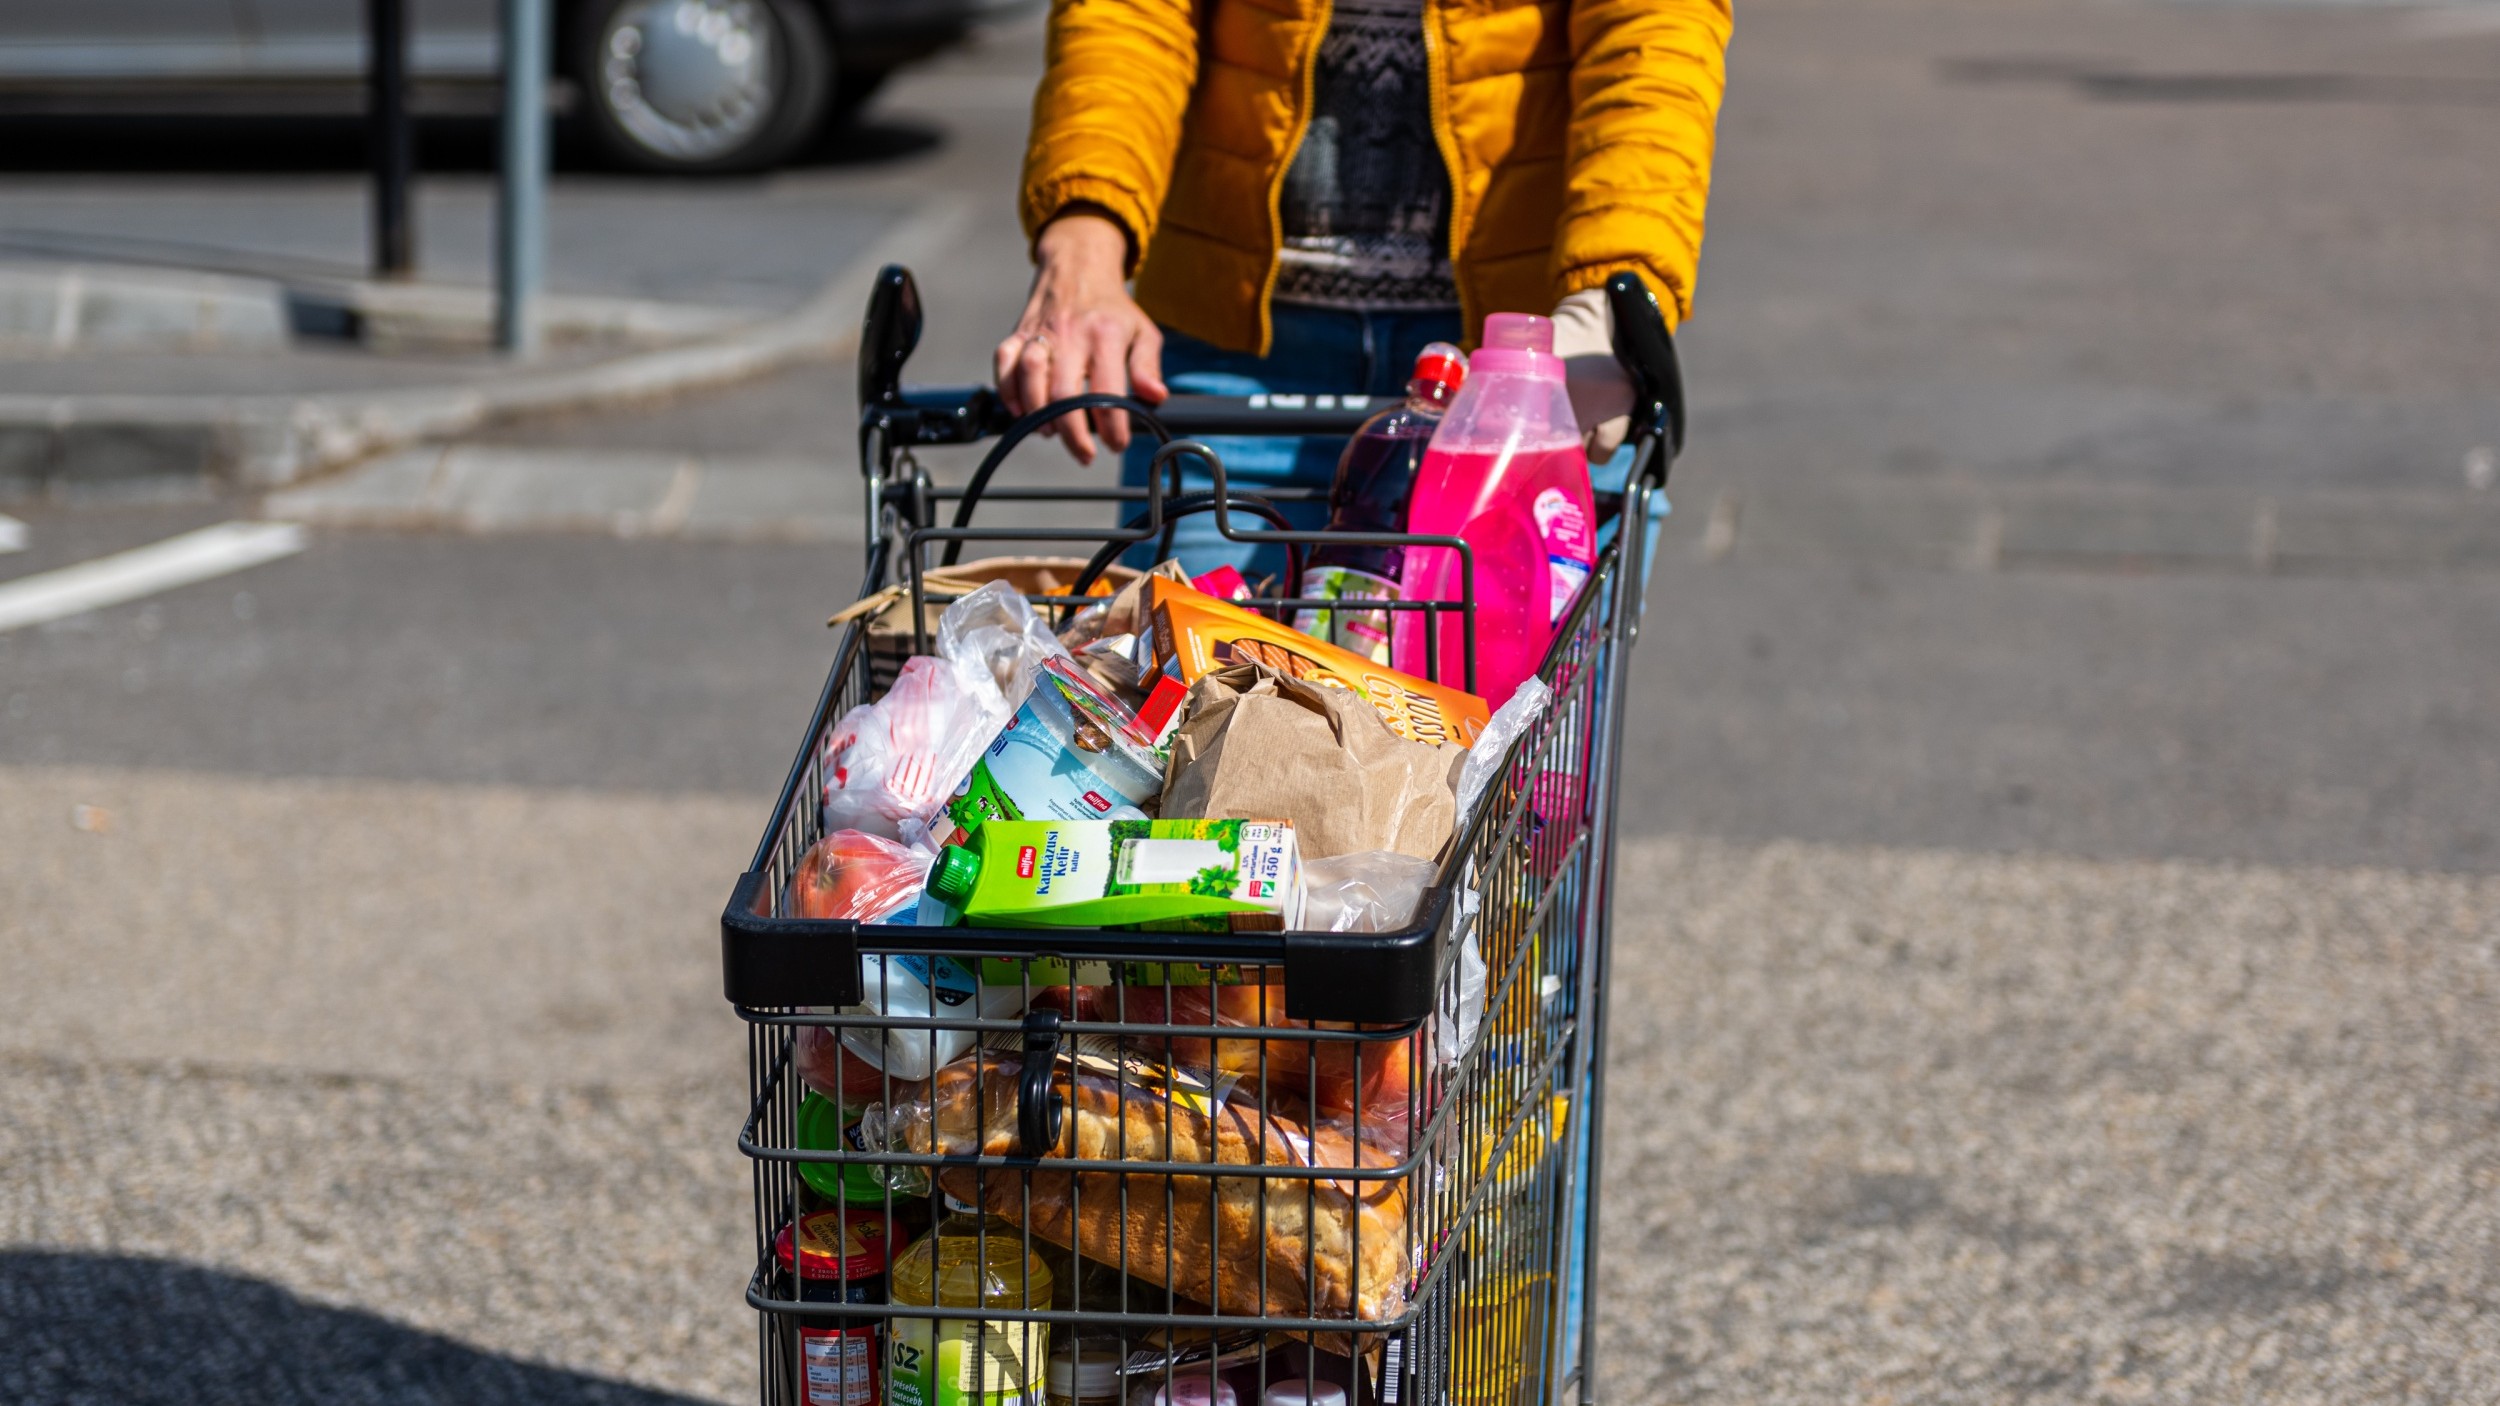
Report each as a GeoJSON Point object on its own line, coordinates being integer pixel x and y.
{"type": "Point", "coordinates": [852, 89]}
{"type": "Point", "coordinates": [701, 87]}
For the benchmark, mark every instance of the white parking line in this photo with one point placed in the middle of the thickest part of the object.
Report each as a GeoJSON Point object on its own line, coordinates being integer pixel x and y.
{"type": "Point", "coordinates": [12, 534]}
{"type": "Point", "coordinates": [144, 571]}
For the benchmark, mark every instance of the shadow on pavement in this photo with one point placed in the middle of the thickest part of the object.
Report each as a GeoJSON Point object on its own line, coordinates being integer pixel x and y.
{"type": "Point", "coordinates": [117, 1330]}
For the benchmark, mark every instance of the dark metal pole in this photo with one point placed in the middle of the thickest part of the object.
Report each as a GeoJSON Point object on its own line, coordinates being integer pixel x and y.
{"type": "Point", "coordinates": [393, 137]}
{"type": "Point", "coordinates": [521, 207]}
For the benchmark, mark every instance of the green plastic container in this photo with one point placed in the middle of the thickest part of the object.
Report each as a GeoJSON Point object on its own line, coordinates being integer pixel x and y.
{"type": "Point", "coordinates": [820, 1125]}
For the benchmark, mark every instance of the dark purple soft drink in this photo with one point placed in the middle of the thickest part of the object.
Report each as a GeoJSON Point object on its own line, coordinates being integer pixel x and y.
{"type": "Point", "coordinates": [1375, 478]}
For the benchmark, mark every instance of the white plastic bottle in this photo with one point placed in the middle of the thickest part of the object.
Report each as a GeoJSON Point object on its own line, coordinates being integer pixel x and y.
{"type": "Point", "coordinates": [913, 985]}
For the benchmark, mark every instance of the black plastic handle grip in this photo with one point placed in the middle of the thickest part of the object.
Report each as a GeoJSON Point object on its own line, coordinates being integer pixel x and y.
{"type": "Point", "coordinates": [888, 336]}
{"type": "Point", "coordinates": [1647, 350]}
{"type": "Point", "coordinates": [1038, 1106]}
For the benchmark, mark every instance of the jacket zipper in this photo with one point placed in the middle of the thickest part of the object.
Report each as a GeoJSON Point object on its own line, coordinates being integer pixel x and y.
{"type": "Point", "coordinates": [1276, 186]}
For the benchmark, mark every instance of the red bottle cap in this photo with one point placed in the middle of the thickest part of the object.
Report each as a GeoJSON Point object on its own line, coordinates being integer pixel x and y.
{"type": "Point", "coordinates": [1440, 367]}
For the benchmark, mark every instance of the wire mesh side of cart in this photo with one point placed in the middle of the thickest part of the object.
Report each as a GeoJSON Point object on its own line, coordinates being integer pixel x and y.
{"type": "Point", "coordinates": [1461, 1170]}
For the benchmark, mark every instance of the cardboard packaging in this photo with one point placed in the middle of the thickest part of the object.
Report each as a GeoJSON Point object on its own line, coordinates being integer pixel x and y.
{"type": "Point", "coordinates": [1255, 743]}
{"type": "Point", "coordinates": [1195, 635]}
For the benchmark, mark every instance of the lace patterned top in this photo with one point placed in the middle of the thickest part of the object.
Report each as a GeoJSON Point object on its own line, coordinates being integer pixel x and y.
{"type": "Point", "coordinates": [1366, 203]}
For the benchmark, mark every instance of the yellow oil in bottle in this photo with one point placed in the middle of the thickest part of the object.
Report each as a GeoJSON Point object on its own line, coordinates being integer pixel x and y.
{"type": "Point", "coordinates": [968, 1260]}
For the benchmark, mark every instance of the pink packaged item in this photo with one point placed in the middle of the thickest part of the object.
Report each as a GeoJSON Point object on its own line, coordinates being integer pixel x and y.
{"type": "Point", "coordinates": [1224, 583]}
{"type": "Point", "coordinates": [1505, 472]}
{"type": "Point", "coordinates": [891, 764]}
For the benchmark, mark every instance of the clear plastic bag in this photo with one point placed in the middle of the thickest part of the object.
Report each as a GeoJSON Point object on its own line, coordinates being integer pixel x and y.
{"type": "Point", "coordinates": [1379, 892]}
{"type": "Point", "coordinates": [1374, 1078]}
{"type": "Point", "coordinates": [998, 629]}
{"type": "Point", "coordinates": [833, 1071]}
{"type": "Point", "coordinates": [1373, 891]}
{"type": "Point", "coordinates": [891, 765]}
{"type": "Point", "coordinates": [862, 877]}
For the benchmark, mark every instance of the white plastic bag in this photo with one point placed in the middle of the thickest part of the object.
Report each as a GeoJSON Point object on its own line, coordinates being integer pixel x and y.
{"type": "Point", "coordinates": [1484, 759]}
{"type": "Point", "coordinates": [1462, 1008]}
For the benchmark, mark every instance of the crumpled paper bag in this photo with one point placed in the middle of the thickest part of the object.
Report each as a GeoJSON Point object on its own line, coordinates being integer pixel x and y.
{"type": "Point", "coordinates": [1256, 745]}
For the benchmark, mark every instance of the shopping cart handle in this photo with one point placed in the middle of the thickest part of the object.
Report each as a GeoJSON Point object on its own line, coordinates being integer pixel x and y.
{"type": "Point", "coordinates": [963, 414]}
{"type": "Point", "coordinates": [941, 415]}
{"type": "Point", "coordinates": [1268, 414]}
{"type": "Point", "coordinates": [1647, 350]}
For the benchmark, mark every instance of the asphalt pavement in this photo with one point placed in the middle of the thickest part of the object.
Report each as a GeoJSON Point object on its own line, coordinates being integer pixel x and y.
{"type": "Point", "coordinates": [2064, 975]}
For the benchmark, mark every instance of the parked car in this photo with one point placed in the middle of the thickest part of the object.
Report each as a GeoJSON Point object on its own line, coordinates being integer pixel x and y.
{"type": "Point", "coordinates": [663, 85]}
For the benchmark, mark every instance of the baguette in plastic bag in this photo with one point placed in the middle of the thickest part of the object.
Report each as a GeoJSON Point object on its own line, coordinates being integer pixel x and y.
{"type": "Point", "coordinates": [1329, 1247]}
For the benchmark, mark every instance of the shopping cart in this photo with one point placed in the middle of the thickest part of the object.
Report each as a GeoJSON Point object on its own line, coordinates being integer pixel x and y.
{"type": "Point", "coordinates": [1190, 1169]}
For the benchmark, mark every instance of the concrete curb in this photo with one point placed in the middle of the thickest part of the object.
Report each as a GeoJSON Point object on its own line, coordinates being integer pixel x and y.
{"type": "Point", "coordinates": [487, 489]}
{"type": "Point", "coordinates": [51, 308]}
{"type": "Point", "coordinates": [393, 315]}
{"type": "Point", "coordinates": [108, 445]}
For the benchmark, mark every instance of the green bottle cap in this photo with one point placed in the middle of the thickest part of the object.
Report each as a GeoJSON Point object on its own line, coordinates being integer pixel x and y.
{"type": "Point", "coordinates": [820, 1125]}
{"type": "Point", "coordinates": [956, 871]}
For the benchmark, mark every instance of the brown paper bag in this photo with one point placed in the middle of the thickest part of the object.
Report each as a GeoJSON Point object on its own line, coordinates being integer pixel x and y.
{"type": "Point", "coordinates": [1255, 745]}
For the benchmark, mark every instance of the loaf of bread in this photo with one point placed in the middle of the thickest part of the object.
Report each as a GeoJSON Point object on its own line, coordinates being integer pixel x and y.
{"type": "Point", "coordinates": [1335, 1075]}
{"type": "Point", "coordinates": [1330, 1248]}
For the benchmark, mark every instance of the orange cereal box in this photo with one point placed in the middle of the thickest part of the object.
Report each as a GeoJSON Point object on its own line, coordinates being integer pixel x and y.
{"type": "Point", "coordinates": [1197, 634]}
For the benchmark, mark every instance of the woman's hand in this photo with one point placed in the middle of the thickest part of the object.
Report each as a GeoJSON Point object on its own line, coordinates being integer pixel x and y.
{"type": "Point", "coordinates": [1081, 332]}
{"type": "Point", "coordinates": [1601, 391]}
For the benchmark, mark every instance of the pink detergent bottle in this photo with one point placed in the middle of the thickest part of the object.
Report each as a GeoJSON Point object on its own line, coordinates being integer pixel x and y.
{"type": "Point", "coordinates": [1505, 473]}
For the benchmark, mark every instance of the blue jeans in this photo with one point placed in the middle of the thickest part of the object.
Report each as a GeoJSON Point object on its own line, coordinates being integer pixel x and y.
{"type": "Point", "coordinates": [1316, 351]}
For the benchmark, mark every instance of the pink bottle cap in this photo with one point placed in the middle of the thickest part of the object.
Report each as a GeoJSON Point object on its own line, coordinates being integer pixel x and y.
{"type": "Point", "coordinates": [1188, 1388]}
{"type": "Point", "coordinates": [1518, 344]}
{"type": "Point", "coordinates": [1524, 331]}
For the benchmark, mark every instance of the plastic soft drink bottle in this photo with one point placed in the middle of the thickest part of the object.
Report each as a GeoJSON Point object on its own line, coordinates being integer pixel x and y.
{"type": "Point", "coordinates": [1505, 473]}
{"type": "Point", "coordinates": [1375, 475]}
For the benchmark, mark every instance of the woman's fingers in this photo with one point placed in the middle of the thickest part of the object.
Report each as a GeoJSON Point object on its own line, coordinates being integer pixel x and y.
{"type": "Point", "coordinates": [1068, 366]}
{"type": "Point", "coordinates": [1145, 364]}
{"type": "Point", "coordinates": [1068, 345]}
{"type": "Point", "coordinates": [1032, 375]}
{"type": "Point", "coordinates": [1110, 365]}
{"type": "Point", "coordinates": [1003, 369]}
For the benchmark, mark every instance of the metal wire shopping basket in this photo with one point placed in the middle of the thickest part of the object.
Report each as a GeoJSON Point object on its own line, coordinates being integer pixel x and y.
{"type": "Point", "coordinates": [1190, 1169]}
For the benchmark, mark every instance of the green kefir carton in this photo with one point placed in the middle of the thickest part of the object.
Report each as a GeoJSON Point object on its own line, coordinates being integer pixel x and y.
{"type": "Point", "coordinates": [1163, 875]}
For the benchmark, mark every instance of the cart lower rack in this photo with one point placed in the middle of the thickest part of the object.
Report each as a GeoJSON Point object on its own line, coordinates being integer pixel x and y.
{"type": "Point", "coordinates": [1189, 1169]}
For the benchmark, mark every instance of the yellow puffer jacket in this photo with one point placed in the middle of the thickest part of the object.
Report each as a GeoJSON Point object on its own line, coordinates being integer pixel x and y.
{"type": "Point", "coordinates": [1577, 132]}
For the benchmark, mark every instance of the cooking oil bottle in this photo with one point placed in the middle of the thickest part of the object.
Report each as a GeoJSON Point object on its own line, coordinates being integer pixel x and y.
{"type": "Point", "coordinates": [968, 1260]}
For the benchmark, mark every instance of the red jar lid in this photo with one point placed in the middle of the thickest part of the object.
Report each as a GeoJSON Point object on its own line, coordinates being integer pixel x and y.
{"type": "Point", "coordinates": [846, 1243]}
